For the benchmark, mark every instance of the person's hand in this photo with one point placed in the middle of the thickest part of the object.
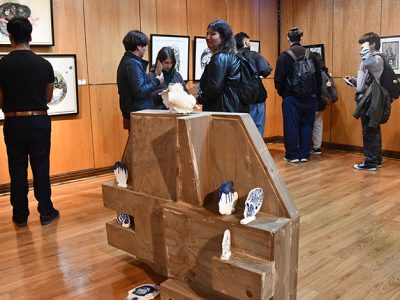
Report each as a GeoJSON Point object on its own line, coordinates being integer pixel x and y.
{"type": "Point", "coordinates": [158, 69]}
{"type": "Point", "coordinates": [161, 78]}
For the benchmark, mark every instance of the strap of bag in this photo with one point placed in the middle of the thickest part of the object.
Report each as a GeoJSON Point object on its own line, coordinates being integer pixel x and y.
{"type": "Point", "coordinates": [307, 54]}
{"type": "Point", "coordinates": [290, 52]}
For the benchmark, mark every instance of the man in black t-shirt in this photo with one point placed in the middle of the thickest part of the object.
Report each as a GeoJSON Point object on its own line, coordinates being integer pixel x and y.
{"type": "Point", "coordinates": [26, 86]}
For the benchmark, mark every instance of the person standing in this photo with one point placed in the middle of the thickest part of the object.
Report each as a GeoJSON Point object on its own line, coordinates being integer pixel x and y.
{"type": "Point", "coordinates": [26, 86]}
{"type": "Point", "coordinates": [134, 86]}
{"type": "Point", "coordinates": [298, 92]}
{"type": "Point", "coordinates": [370, 70]}
{"type": "Point", "coordinates": [222, 74]}
{"type": "Point", "coordinates": [263, 68]}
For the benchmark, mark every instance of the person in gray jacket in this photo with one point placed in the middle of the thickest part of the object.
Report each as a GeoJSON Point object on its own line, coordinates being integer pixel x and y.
{"type": "Point", "coordinates": [370, 69]}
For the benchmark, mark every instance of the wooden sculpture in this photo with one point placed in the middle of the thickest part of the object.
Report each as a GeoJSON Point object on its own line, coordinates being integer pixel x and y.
{"type": "Point", "coordinates": [176, 164]}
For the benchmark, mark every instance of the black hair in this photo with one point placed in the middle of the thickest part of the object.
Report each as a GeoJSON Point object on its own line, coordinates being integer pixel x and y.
{"type": "Point", "coordinates": [165, 53]}
{"type": "Point", "coordinates": [295, 34]}
{"type": "Point", "coordinates": [371, 37]}
{"type": "Point", "coordinates": [228, 42]}
{"type": "Point", "coordinates": [133, 39]}
{"type": "Point", "coordinates": [20, 30]}
{"type": "Point", "coordinates": [239, 38]}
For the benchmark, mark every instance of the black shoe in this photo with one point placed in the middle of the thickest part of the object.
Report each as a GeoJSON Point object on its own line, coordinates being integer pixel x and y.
{"type": "Point", "coordinates": [316, 151]}
{"type": "Point", "coordinates": [47, 219]}
{"type": "Point", "coordinates": [363, 166]}
{"type": "Point", "coordinates": [20, 223]}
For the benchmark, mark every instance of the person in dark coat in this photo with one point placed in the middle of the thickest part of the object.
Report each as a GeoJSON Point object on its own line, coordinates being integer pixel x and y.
{"type": "Point", "coordinates": [134, 86]}
{"type": "Point", "coordinates": [167, 64]}
{"type": "Point", "coordinates": [222, 74]}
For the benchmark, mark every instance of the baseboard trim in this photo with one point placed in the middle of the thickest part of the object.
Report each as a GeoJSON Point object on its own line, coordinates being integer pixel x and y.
{"type": "Point", "coordinates": [339, 147]}
{"type": "Point", "coordinates": [5, 188]}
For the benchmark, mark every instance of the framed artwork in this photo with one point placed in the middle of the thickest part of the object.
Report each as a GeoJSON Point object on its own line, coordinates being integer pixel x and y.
{"type": "Point", "coordinates": [179, 43]}
{"type": "Point", "coordinates": [319, 48]}
{"type": "Point", "coordinates": [39, 13]}
{"type": "Point", "coordinates": [65, 94]}
{"type": "Point", "coordinates": [390, 46]}
{"type": "Point", "coordinates": [202, 56]}
{"type": "Point", "coordinates": [255, 46]}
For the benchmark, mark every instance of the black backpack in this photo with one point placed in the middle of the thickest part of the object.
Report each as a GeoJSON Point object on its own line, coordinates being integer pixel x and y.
{"type": "Point", "coordinates": [328, 94]}
{"type": "Point", "coordinates": [250, 88]}
{"type": "Point", "coordinates": [389, 80]}
{"type": "Point", "coordinates": [304, 80]}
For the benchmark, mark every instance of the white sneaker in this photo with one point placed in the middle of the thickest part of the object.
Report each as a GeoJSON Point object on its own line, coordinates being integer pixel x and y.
{"type": "Point", "coordinates": [124, 220]}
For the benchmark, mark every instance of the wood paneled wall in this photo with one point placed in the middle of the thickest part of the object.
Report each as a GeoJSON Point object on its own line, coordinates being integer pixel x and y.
{"type": "Point", "coordinates": [338, 24]}
{"type": "Point", "coordinates": [94, 29]}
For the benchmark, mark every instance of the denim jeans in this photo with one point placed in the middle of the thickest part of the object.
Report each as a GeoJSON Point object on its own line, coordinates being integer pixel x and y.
{"type": "Point", "coordinates": [372, 143]}
{"type": "Point", "coordinates": [257, 113]}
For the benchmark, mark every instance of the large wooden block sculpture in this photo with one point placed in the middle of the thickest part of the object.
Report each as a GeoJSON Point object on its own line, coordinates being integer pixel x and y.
{"type": "Point", "coordinates": [176, 164]}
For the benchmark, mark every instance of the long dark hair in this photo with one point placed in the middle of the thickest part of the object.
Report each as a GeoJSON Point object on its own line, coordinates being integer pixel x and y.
{"type": "Point", "coordinates": [228, 44]}
{"type": "Point", "coordinates": [164, 54]}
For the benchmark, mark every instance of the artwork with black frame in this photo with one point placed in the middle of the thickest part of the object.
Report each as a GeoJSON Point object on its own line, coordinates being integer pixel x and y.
{"type": "Point", "coordinates": [319, 48]}
{"type": "Point", "coordinates": [179, 43]}
{"type": "Point", "coordinates": [255, 46]}
{"type": "Point", "coordinates": [65, 94]}
{"type": "Point", "coordinates": [39, 13]}
{"type": "Point", "coordinates": [202, 56]}
{"type": "Point", "coordinates": [390, 46]}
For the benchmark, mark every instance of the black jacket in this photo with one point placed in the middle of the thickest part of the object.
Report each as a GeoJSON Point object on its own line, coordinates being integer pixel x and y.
{"type": "Point", "coordinates": [284, 70]}
{"type": "Point", "coordinates": [257, 60]}
{"type": "Point", "coordinates": [218, 82]}
{"type": "Point", "coordinates": [134, 86]}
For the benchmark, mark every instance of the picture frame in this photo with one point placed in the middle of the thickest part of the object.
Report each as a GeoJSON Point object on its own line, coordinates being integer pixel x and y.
{"type": "Point", "coordinates": [65, 94]}
{"type": "Point", "coordinates": [255, 46]}
{"type": "Point", "coordinates": [180, 44]}
{"type": "Point", "coordinates": [390, 46]}
{"type": "Point", "coordinates": [319, 48]}
{"type": "Point", "coordinates": [201, 57]}
{"type": "Point", "coordinates": [39, 13]}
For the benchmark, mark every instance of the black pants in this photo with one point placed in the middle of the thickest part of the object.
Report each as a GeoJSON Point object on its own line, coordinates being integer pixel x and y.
{"type": "Point", "coordinates": [28, 137]}
{"type": "Point", "coordinates": [372, 142]}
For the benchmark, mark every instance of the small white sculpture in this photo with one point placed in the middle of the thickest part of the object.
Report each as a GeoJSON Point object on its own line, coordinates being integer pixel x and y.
{"type": "Point", "coordinates": [227, 198]}
{"type": "Point", "coordinates": [252, 205]}
{"type": "Point", "coordinates": [176, 99]}
{"type": "Point", "coordinates": [143, 292]}
{"type": "Point", "coordinates": [121, 174]}
{"type": "Point", "coordinates": [226, 245]}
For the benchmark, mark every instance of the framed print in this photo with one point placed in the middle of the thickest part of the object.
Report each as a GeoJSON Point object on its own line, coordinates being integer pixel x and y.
{"type": "Point", "coordinates": [255, 46]}
{"type": "Point", "coordinates": [65, 94]}
{"type": "Point", "coordinates": [39, 13]}
{"type": "Point", "coordinates": [179, 43]}
{"type": "Point", "coordinates": [319, 48]}
{"type": "Point", "coordinates": [390, 47]}
{"type": "Point", "coordinates": [202, 56]}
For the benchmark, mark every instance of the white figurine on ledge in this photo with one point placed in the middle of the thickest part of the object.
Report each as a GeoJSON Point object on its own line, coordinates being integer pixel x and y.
{"type": "Point", "coordinates": [252, 205]}
{"type": "Point", "coordinates": [121, 174]}
{"type": "Point", "coordinates": [227, 198]}
{"type": "Point", "coordinates": [226, 245]}
{"type": "Point", "coordinates": [176, 99]}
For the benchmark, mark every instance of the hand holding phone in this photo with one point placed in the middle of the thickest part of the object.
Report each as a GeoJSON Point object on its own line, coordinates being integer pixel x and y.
{"type": "Point", "coordinates": [348, 79]}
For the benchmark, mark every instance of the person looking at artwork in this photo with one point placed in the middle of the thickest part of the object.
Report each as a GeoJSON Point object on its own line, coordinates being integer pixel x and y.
{"type": "Point", "coordinates": [298, 81]}
{"type": "Point", "coordinates": [263, 68]}
{"type": "Point", "coordinates": [26, 86]}
{"type": "Point", "coordinates": [222, 74]}
{"type": "Point", "coordinates": [134, 86]}
{"type": "Point", "coordinates": [167, 66]}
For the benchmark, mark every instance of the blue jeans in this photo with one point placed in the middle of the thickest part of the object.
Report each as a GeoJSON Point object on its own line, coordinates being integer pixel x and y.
{"type": "Point", "coordinates": [28, 138]}
{"type": "Point", "coordinates": [298, 124]}
{"type": "Point", "coordinates": [257, 113]}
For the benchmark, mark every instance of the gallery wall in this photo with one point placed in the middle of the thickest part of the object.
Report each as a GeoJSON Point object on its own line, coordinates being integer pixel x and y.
{"type": "Point", "coordinates": [338, 24]}
{"type": "Point", "coordinates": [93, 30]}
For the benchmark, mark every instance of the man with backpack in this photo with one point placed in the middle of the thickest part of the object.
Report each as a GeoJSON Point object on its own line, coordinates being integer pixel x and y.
{"type": "Point", "coordinates": [297, 80]}
{"type": "Point", "coordinates": [263, 69]}
{"type": "Point", "coordinates": [373, 97]}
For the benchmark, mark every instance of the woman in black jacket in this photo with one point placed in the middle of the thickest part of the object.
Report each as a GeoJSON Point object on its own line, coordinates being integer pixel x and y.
{"type": "Point", "coordinates": [222, 74]}
{"type": "Point", "coordinates": [167, 59]}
